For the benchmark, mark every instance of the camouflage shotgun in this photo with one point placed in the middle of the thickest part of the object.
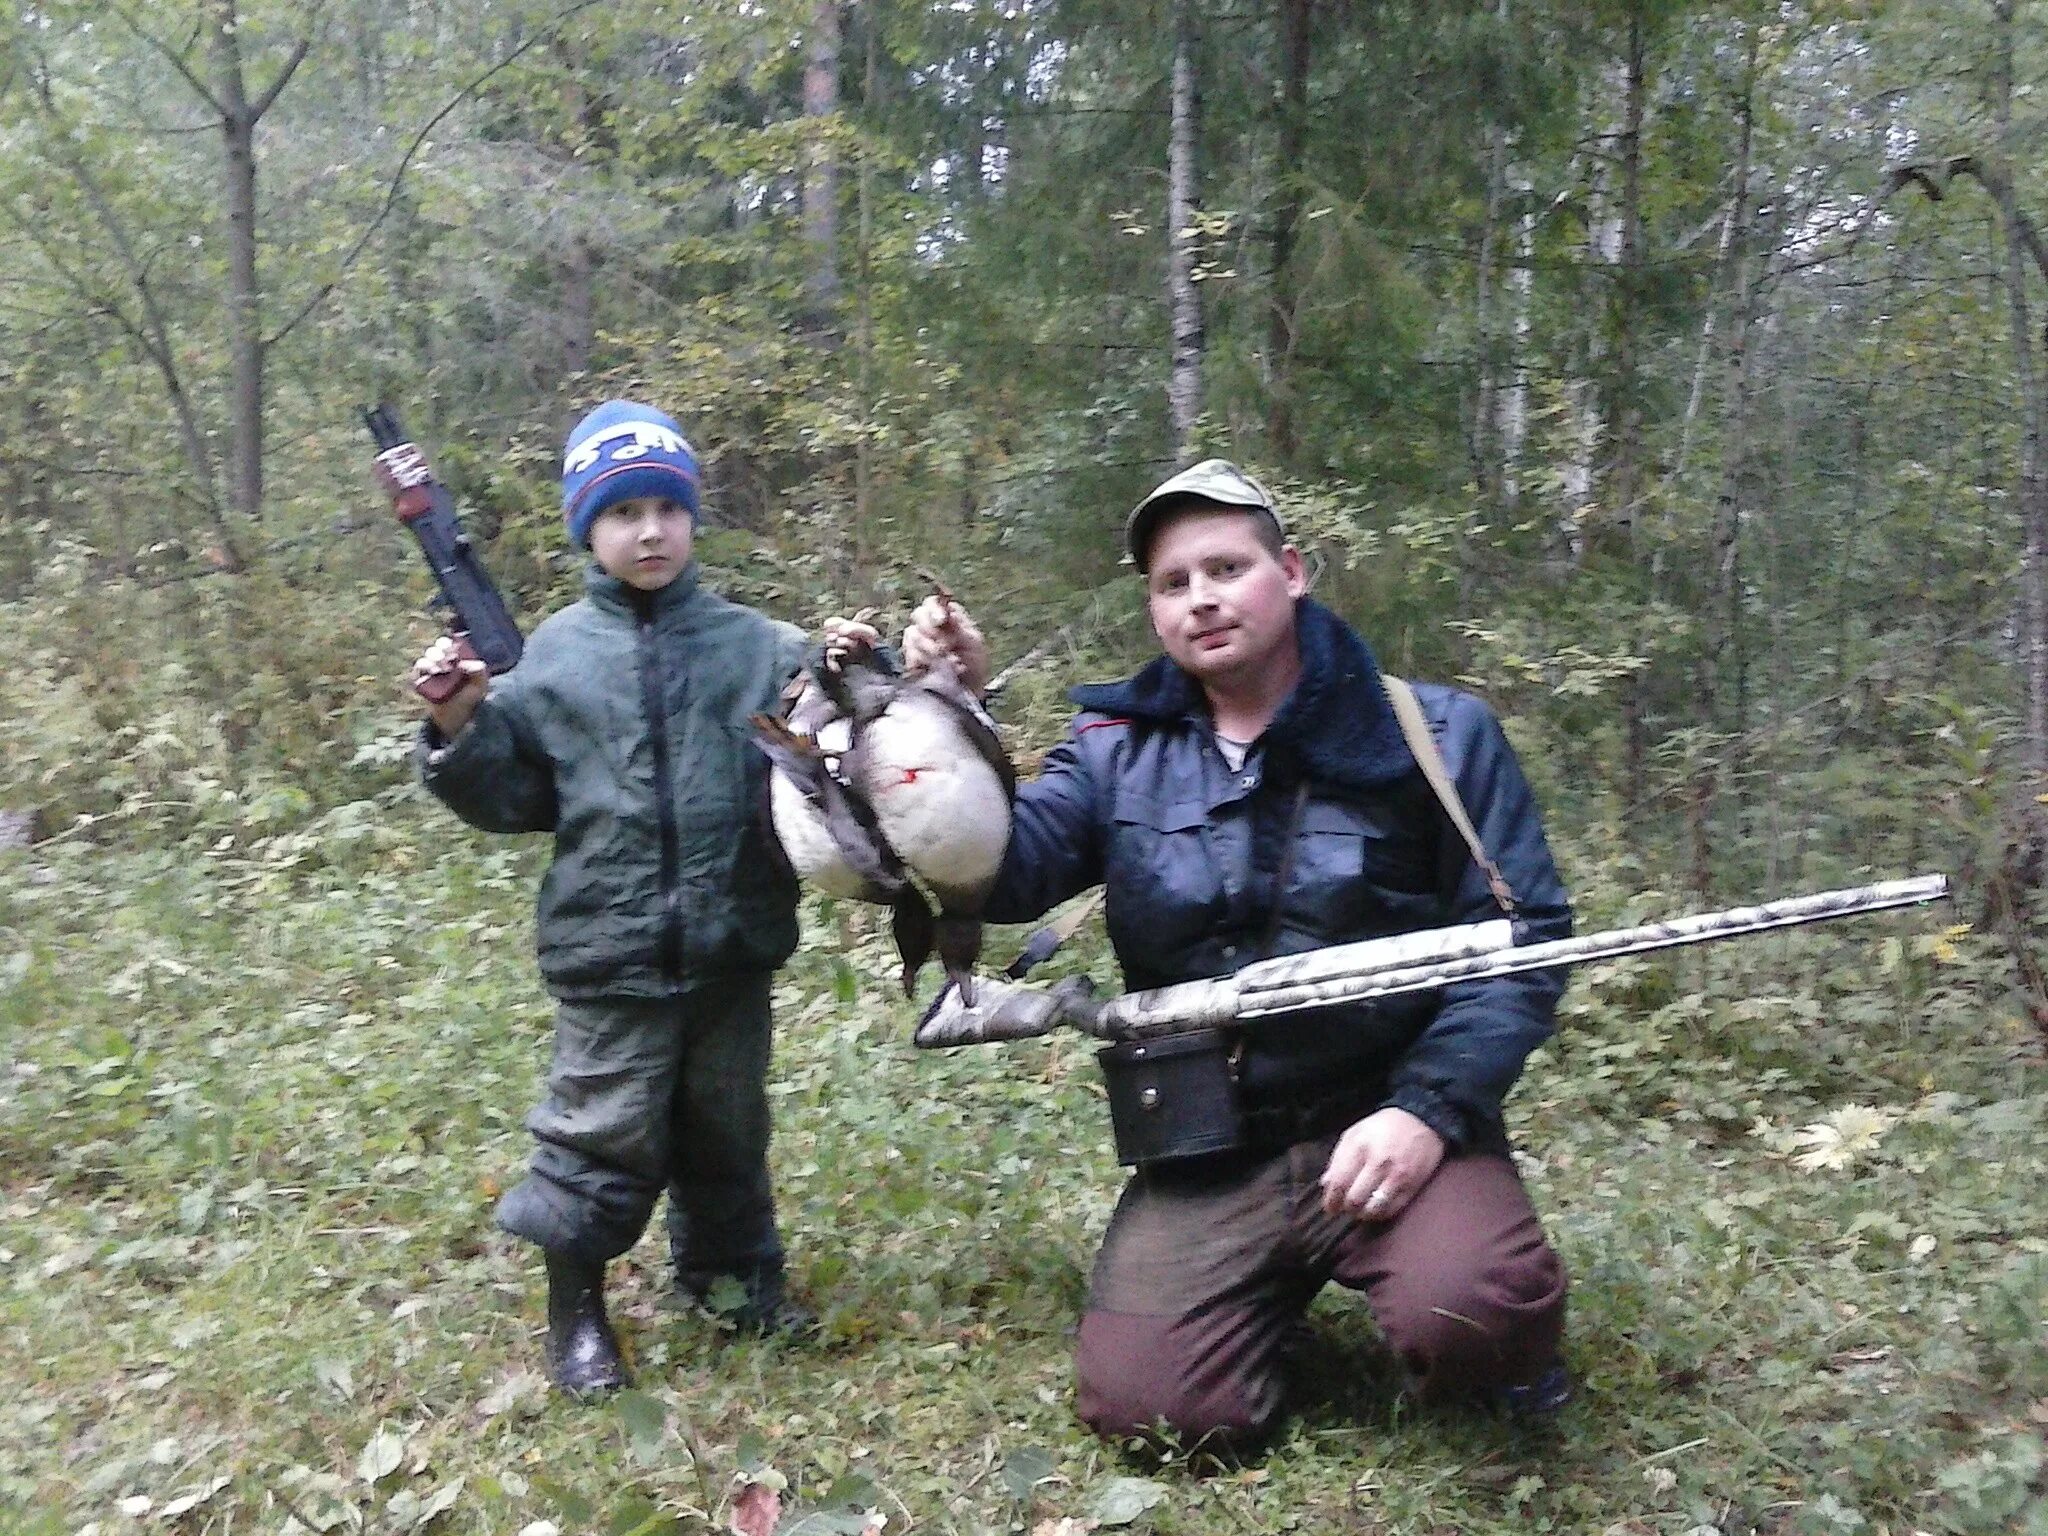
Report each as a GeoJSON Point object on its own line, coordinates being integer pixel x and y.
{"type": "Point", "coordinates": [1356, 973]}
{"type": "Point", "coordinates": [483, 628]}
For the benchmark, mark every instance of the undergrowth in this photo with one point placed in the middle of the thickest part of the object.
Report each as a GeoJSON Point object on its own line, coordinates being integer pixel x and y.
{"type": "Point", "coordinates": [262, 1079]}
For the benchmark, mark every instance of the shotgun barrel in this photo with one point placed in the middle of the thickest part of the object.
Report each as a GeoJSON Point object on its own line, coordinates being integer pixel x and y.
{"type": "Point", "coordinates": [1375, 968]}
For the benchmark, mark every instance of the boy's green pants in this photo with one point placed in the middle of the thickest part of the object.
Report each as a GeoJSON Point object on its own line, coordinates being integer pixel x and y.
{"type": "Point", "coordinates": [651, 1094]}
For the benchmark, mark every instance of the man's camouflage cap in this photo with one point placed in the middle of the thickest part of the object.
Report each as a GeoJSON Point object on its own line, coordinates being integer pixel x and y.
{"type": "Point", "coordinates": [1213, 480]}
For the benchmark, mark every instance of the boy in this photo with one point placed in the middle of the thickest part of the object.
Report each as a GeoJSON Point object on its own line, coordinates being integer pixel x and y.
{"type": "Point", "coordinates": [623, 731]}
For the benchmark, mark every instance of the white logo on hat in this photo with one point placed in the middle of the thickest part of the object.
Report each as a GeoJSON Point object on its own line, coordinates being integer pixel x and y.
{"type": "Point", "coordinates": [644, 437]}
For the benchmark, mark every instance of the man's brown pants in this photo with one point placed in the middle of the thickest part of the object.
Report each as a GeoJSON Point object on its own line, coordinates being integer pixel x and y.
{"type": "Point", "coordinates": [1203, 1273]}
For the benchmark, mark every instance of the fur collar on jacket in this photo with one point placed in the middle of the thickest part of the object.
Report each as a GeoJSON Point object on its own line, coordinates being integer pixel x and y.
{"type": "Point", "coordinates": [1336, 723]}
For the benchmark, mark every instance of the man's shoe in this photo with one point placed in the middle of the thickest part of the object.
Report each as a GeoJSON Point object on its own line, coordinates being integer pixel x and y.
{"type": "Point", "coordinates": [1541, 1398]}
{"type": "Point", "coordinates": [583, 1353]}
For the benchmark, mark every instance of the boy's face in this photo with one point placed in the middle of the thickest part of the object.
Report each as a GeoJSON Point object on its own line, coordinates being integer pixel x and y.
{"type": "Point", "coordinates": [1221, 602]}
{"type": "Point", "coordinates": [644, 542]}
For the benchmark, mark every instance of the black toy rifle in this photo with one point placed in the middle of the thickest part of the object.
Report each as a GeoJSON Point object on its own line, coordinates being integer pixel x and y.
{"type": "Point", "coordinates": [482, 626]}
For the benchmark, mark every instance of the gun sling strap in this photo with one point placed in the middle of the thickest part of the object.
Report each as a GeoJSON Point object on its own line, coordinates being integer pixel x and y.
{"type": "Point", "coordinates": [1408, 711]}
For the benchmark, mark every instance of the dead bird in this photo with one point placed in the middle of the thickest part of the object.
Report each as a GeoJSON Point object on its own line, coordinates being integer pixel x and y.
{"type": "Point", "coordinates": [889, 785]}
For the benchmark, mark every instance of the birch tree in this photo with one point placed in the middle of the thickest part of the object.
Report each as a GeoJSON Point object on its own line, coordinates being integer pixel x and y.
{"type": "Point", "coordinates": [1184, 303]}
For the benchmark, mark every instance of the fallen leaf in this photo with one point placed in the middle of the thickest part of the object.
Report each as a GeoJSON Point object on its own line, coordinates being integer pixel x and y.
{"type": "Point", "coordinates": [756, 1511]}
{"type": "Point", "coordinates": [381, 1456]}
{"type": "Point", "coordinates": [185, 1502]}
{"type": "Point", "coordinates": [1120, 1500]}
{"type": "Point", "coordinates": [440, 1501]}
{"type": "Point", "coordinates": [1065, 1525]}
{"type": "Point", "coordinates": [336, 1376]}
{"type": "Point", "coordinates": [519, 1389]}
{"type": "Point", "coordinates": [1837, 1142]}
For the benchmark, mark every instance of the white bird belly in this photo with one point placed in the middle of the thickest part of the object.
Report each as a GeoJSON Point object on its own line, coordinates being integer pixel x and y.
{"type": "Point", "coordinates": [808, 842]}
{"type": "Point", "coordinates": [940, 804]}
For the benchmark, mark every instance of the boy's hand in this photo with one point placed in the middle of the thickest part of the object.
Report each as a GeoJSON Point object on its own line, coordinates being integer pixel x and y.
{"type": "Point", "coordinates": [941, 627]}
{"type": "Point", "coordinates": [449, 660]}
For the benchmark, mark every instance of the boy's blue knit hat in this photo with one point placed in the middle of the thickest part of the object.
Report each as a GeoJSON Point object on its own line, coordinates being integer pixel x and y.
{"type": "Point", "coordinates": [619, 451]}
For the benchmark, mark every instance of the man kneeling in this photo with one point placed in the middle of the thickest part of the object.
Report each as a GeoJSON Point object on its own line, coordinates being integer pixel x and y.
{"type": "Point", "coordinates": [1251, 793]}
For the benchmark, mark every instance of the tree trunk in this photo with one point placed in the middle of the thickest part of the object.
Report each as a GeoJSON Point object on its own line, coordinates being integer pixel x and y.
{"type": "Point", "coordinates": [821, 179]}
{"type": "Point", "coordinates": [1511, 428]}
{"type": "Point", "coordinates": [578, 321]}
{"type": "Point", "coordinates": [1184, 386]}
{"type": "Point", "coordinates": [864, 275]}
{"type": "Point", "coordinates": [973, 171]}
{"type": "Point", "coordinates": [1489, 471]}
{"type": "Point", "coordinates": [1734, 231]}
{"type": "Point", "coordinates": [2031, 839]}
{"type": "Point", "coordinates": [1724, 558]}
{"type": "Point", "coordinates": [1293, 23]}
{"type": "Point", "coordinates": [1625, 411]}
{"type": "Point", "coordinates": [1584, 429]}
{"type": "Point", "coordinates": [238, 121]}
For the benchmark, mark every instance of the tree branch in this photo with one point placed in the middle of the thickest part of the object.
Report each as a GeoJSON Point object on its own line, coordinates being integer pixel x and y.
{"type": "Point", "coordinates": [199, 86]}
{"type": "Point", "coordinates": [419, 139]}
{"type": "Point", "coordinates": [265, 101]}
{"type": "Point", "coordinates": [1998, 183]}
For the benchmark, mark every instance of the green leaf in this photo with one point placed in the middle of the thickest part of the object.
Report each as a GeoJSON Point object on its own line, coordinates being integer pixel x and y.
{"type": "Point", "coordinates": [751, 1453]}
{"type": "Point", "coordinates": [574, 1507]}
{"type": "Point", "coordinates": [1024, 1469]}
{"type": "Point", "coordinates": [827, 1522]}
{"type": "Point", "coordinates": [646, 1421]}
{"type": "Point", "coordinates": [638, 1515]}
{"type": "Point", "coordinates": [1121, 1500]}
{"type": "Point", "coordinates": [726, 1296]}
{"type": "Point", "coordinates": [851, 1491]}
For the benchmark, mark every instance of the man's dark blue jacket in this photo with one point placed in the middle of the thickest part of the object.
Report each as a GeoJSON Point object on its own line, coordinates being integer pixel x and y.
{"type": "Point", "coordinates": [1140, 799]}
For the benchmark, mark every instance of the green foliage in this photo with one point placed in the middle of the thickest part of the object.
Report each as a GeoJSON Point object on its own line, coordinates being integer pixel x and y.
{"type": "Point", "coordinates": [267, 1022]}
{"type": "Point", "coordinates": [256, 1101]}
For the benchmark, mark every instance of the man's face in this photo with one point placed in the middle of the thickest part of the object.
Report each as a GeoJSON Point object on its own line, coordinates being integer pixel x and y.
{"type": "Point", "coordinates": [1221, 603]}
{"type": "Point", "coordinates": [644, 542]}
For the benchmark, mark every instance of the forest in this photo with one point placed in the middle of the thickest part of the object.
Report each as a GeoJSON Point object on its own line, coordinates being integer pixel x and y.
{"type": "Point", "coordinates": [1672, 375]}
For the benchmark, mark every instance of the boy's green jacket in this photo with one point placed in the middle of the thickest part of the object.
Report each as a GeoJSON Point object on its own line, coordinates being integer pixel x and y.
{"type": "Point", "coordinates": [623, 730]}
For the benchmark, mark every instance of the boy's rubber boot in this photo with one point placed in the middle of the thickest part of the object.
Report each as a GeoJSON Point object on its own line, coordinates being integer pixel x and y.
{"type": "Point", "coordinates": [583, 1353]}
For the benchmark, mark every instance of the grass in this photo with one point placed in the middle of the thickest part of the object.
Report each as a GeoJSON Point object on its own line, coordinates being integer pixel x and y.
{"type": "Point", "coordinates": [259, 1092]}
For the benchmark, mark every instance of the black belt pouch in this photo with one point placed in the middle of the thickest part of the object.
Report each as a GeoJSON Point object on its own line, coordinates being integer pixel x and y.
{"type": "Point", "coordinates": [1173, 1096]}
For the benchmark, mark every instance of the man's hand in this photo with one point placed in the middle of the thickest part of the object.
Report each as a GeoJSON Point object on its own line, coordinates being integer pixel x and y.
{"type": "Point", "coordinates": [452, 713]}
{"type": "Point", "coordinates": [1379, 1165]}
{"type": "Point", "coordinates": [941, 627]}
